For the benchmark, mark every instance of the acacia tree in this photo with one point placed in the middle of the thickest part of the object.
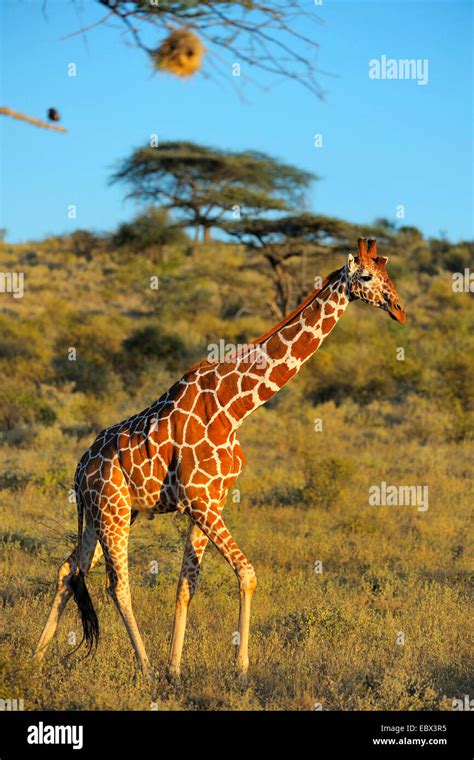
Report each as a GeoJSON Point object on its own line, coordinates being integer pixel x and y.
{"type": "Point", "coordinates": [281, 241]}
{"type": "Point", "coordinates": [205, 186]}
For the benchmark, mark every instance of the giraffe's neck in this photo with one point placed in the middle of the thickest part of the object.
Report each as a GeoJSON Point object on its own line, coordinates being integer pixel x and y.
{"type": "Point", "coordinates": [253, 378]}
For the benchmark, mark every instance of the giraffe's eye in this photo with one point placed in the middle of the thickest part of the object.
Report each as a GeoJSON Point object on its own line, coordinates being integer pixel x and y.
{"type": "Point", "coordinates": [366, 277]}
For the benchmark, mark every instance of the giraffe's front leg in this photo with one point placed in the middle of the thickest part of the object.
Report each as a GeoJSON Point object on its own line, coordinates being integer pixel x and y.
{"type": "Point", "coordinates": [248, 584]}
{"type": "Point", "coordinates": [211, 523]}
{"type": "Point", "coordinates": [194, 549]}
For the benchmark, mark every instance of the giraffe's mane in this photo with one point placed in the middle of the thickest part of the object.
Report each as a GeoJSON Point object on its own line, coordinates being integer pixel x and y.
{"type": "Point", "coordinates": [296, 312]}
{"type": "Point", "coordinates": [285, 321]}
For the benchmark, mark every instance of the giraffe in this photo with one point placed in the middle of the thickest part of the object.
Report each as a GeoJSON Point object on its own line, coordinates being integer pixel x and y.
{"type": "Point", "coordinates": [182, 454]}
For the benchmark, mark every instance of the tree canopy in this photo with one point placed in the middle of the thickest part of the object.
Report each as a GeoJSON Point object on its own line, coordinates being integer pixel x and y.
{"type": "Point", "coordinates": [205, 186]}
{"type": "Point", "coordinates": [290, 233]}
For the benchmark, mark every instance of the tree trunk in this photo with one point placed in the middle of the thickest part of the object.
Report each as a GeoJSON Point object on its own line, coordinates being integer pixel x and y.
{"type": "Point", "coordinates": [195, 244]}
{"type": "Point", "coordinates": [282, 282]}
{"type": "Point", "coordinates": [206, 234]}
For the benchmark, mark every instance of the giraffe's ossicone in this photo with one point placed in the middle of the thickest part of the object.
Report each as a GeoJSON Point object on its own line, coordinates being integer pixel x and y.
{"type": "Point", "coordinates": [182, 453]}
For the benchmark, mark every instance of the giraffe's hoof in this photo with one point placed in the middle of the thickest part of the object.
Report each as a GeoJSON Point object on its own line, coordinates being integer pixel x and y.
{"type": "Point", "coordinates": [242, 680]}
{"type": "Point", "coordinates": [173, 677]}
{"type": "Point", "coordinates": [148, 674]}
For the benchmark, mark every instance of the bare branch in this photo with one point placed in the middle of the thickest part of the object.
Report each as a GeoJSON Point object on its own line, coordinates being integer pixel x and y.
{"type": "Point", "coordinates": [30, 120]}
{"type": "Point", "coordinates": [88, 28]}
{"type": "Point", "coordinates": [263, 36]}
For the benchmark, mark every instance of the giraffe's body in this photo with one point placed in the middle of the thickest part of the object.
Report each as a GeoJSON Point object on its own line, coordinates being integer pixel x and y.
{"type": "Point", "coordinates": [184, 446]}
{"type": "Point", "coordinates": [182, 453]}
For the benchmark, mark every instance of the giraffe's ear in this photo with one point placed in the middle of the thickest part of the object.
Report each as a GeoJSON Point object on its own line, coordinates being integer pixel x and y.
{"type": "Point", "coordinates": [382, 260]}
{"type": "Point", "coordinates": [351, 265]}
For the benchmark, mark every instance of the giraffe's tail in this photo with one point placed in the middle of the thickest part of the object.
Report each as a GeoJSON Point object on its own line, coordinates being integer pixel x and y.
{"type": "Point", "coordinates": [90, 622]}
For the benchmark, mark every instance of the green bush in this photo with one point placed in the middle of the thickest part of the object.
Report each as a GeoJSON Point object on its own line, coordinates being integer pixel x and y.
{"type": "Point", "coordinates": [23, 407]}
{"type": "Point", "coordinates": [151, 342]}
{"type": "Point", "coordinates": [153, 227]}
{"type": "Point", "coordinates": [325, 480]}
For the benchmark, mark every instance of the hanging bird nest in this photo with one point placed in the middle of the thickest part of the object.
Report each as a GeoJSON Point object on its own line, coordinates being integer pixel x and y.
{"type": "Point", "coordinates": [181, 53]}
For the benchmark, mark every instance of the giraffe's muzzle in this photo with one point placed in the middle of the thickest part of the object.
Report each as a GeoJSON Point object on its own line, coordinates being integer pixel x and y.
{"type": "Point", "coordinates": [396, 311]}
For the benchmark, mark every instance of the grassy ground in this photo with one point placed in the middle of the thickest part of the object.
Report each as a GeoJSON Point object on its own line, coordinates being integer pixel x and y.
{"type": "Point", "coordinates": [384, 625]}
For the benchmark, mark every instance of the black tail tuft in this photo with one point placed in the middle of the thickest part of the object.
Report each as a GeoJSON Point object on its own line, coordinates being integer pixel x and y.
{"type": "Point", "coordinates": [90, 623]}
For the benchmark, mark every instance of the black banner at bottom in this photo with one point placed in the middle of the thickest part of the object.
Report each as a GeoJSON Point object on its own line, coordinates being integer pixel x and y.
{"type": "Point", "coordinates": [102, 734]}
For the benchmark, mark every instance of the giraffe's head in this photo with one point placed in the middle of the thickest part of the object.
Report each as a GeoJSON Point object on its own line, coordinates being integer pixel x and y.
{"type": "Point", "coordinates": [368, 280]}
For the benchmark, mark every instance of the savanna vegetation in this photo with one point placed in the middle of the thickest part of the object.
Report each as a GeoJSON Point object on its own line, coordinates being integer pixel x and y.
{"type": "Point", "coordinates": [383, 621]}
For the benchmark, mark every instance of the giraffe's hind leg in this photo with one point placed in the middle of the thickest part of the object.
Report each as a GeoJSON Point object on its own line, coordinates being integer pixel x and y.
{"type": "Point", "coordinates": [194, 549]}
{"type": "Point", "coordinates": [113, 536]}
{"type": "Point", "coordinates": [89, 555]}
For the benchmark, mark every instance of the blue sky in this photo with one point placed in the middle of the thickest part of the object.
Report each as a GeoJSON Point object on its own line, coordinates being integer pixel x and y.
{"type": "Point", "coordinates": [385, 142]}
